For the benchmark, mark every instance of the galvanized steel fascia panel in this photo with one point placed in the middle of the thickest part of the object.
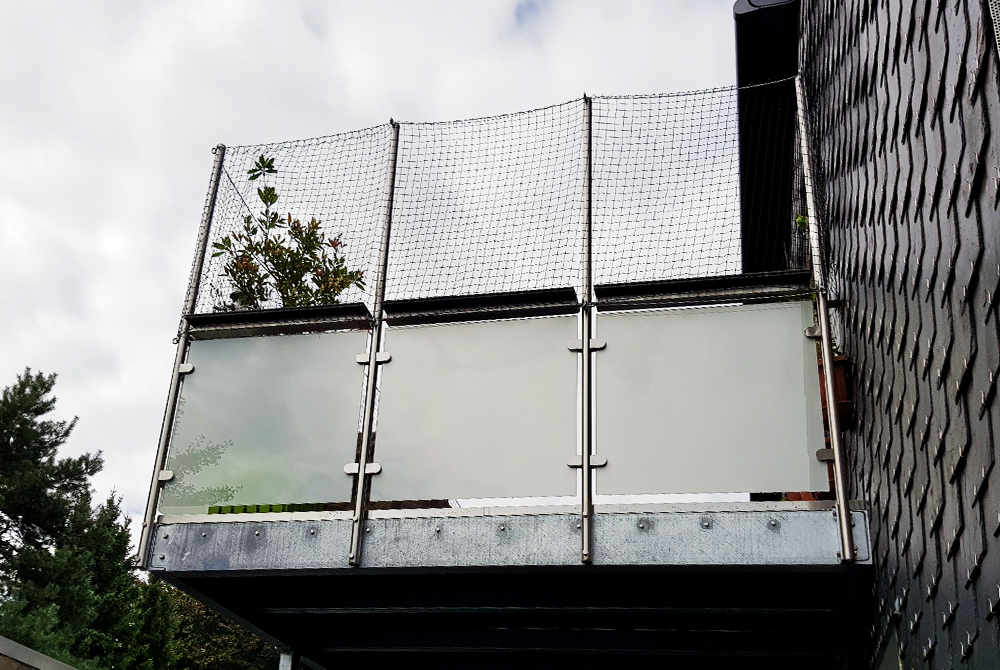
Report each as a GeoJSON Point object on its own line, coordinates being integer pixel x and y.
{"type": "Point", "coordinates": [472, 541]}
{"type": "Point", "coordinates": [806, 537]}
{"type": "Point", "coordinates": [725, 538]}
{"type": "Point", "coordinates": [273, 545]}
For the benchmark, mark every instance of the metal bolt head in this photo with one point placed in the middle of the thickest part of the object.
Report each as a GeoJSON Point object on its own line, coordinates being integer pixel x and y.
{"type": "Point", "coordinates": [503, 526]}
{"type": "Point", "coordinates": [642, 525]}
{"type": "Point", "coordinates": [312, 531]}
{"type": "Point", "coordinates": [256, 532]}
{"type": "Point", "coordinates": [162, 557]}
{"type": "Point", "coordinates": [165, 536]}
{"type": "Point", "coordinates": [368, 529]}
{"type": "Point", "coordinates": [204, 534]}
{"type": "Point", "coordinates": [437, 529]}
{"type": "Point", "coordinates": [579, 525]}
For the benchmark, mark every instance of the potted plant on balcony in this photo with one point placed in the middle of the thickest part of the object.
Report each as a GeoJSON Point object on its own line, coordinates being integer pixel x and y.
{"type": "Point", "coordinates": [280, 256]}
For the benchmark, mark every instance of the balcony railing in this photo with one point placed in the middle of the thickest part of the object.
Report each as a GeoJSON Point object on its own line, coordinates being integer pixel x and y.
{"type": "Point", "coordinates": [554, 329]}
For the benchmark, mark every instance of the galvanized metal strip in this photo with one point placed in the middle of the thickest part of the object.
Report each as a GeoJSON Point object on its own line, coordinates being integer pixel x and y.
{"type": "Point", "coordinates": [766, 537]}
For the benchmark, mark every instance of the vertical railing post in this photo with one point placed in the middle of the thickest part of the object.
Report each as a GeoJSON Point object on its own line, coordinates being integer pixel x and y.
{"type": "Point", "coordinates": [847, 550]}
{"type": "Point", "coordinates": [586, 489]}
{"type": "Point", "coordinates": [190, 300]}
{"type": "Point", "coordinates": [363, 488]}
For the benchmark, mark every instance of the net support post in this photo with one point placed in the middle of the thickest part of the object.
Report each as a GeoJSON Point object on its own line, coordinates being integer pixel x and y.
{"type": "Point", "coordinates": [190, 299]}
{"type": "Point", "coordinates": [363, 472]}
{"type": "Point", "coordinates": [586, 333]}
{"type": "Point", "coordinates": [847, 549]}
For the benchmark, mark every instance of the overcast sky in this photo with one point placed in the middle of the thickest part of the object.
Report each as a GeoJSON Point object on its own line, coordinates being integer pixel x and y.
{"type": "Point", "coordinates": [109, 111]}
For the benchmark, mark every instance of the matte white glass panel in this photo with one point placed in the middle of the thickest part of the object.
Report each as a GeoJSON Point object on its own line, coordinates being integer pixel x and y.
{"type": "Point", "coordinates": [266, 420]}
{"type": "Point", "coordinates": [709, 400]}
{"type": "Point", "coordinates": [478, 410]}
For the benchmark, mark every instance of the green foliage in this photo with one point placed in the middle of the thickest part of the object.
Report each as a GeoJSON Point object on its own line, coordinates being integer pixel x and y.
{"type": "Point", "coordinates": [38, 492]}
{"type": "Point", "coordinates": [802, 222]}
{"type": "Point", "coordinates": [69, 585]}
{"type": "Point", "coordinates": [274, 254]}
{"type": "Point", "coordinates": [208, 641]}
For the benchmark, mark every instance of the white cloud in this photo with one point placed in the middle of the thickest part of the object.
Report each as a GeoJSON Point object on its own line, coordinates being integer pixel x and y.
{"type": "Point", "coordinates": [108, 111]}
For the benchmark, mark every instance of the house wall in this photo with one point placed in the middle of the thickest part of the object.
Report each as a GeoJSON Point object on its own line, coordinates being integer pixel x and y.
{"type": "Point", "coordinates": [905, 119]}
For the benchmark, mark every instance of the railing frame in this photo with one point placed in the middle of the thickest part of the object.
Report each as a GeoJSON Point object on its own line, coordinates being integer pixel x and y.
{"type": "Point", "coordinates": [363, 486]}
{"type": "Point", "coordinates": [586, 327]}
{"type": "Point", "coordinates": [848, 551]}
{"type": "Point", "coordinates": [183, 337]}
{"type": "Point", "coordinates": [587, 315]}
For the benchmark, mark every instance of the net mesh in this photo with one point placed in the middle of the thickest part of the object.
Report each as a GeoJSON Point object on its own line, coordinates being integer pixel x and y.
{"type": "Point", "coordinates": [488, 205]}
{"type": "Point", "coordinates": [666, 188]}
{"type": "Point", "coordinates": [341, 180]}
{"type": "Point", "coordinates": [499, 204]}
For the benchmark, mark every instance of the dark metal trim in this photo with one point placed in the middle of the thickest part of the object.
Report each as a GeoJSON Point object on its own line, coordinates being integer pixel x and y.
{"type": "Point", "coordinates": [514, 304]}
{"type": "Point", "coordinates": [755, 287]}
{"type": "Point", "coordinates": [279, 321]}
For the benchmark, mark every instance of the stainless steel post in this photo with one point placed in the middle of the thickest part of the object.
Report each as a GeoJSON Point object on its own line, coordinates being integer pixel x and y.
{"type": "Point", "coordinates": [586, 489]}
{"type": "Point", "coordinates": [182, 345]}
{"type": "Point", "coordinates": [364, 482]}
{"type": "Point", "coordinates": [847, 550]}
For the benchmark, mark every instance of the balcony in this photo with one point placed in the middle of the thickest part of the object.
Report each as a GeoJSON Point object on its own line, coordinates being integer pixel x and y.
{"type": "Point", "coordinates": [559, 400]}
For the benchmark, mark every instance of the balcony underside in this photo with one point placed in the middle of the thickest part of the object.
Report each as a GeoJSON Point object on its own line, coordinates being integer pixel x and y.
{"type": "Point", "coordinates": [737, 585]}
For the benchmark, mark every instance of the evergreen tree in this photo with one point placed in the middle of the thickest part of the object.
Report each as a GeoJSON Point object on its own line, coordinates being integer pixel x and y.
{"type": "Point", "coordinates": [69, 584]}
{"type": "Point", "coordinates": [47, 598]}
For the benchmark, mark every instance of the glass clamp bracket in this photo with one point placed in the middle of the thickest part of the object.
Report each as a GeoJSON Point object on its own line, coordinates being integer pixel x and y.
{"type": "Point", "coordinates": [595, 462]}
{"type": "Point", "coordinates": [577, 345]}
{"type": "Point", "coordinates": [380, 357]}
{"type": "Point", "coordinates": [370, 469]}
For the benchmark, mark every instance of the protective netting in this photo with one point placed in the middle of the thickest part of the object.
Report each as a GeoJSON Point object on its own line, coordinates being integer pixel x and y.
{"type": "Point", "coordinates": [341, 180]}
{"type": "Point", "coordinates": [488, 205]}
{"type": "Point", "coordinates": [666, 186]}
{"type": "Point", "coordinates": [683, 186]}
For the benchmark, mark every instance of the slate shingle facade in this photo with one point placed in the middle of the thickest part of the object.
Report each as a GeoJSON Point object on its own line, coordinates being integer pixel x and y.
{"type": "Point", "coordinates": [905, 116]}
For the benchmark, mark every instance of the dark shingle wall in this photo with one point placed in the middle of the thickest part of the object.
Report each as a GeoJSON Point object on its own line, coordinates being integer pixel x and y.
{"type": "Point", "coordinates": [905, 117]}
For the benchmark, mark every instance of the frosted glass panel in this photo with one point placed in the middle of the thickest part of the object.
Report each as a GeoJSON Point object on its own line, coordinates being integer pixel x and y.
{"type": "Point", "coordinates": [266, 420]}
{"type": "Point", "coordinates": [709, 400]}
{"type": "Point", "coordinates": [478, 410]}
